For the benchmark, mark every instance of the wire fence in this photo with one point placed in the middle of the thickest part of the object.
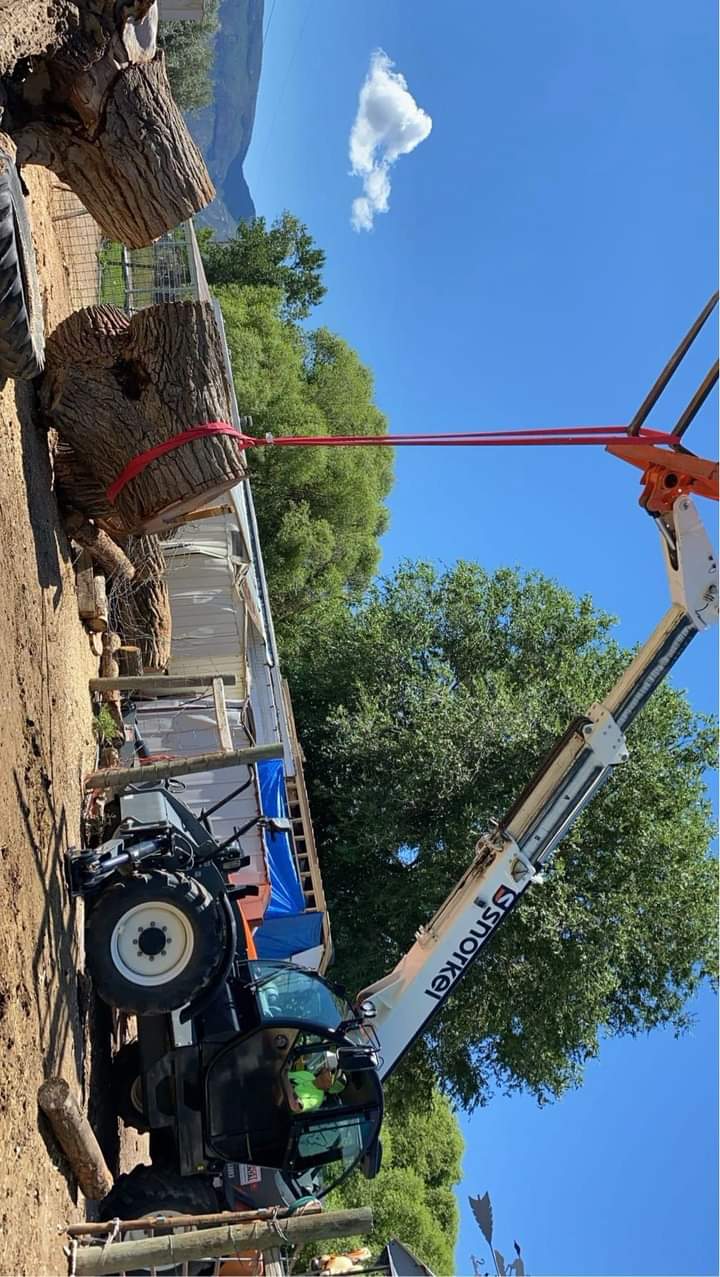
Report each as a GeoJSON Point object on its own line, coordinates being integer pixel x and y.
{"type": "Point", "coordinates": [103, 270]}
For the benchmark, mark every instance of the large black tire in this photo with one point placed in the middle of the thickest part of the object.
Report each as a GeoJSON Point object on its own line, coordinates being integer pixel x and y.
{"type": "Point", "coordinates": [22, 342]}
{"type": "Point", "coordinates": [150, 1190]}
{"type": "Point", "coordinates": [124, 937]}
{"type": "Point", "coordinates": [126, 1084]}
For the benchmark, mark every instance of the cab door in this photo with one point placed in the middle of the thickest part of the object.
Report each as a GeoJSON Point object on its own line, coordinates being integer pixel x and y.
{"type": "Point", "coordinates": [247, 1115]}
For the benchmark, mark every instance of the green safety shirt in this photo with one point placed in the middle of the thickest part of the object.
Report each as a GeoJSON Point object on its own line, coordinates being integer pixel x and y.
{"type": "Point", "coordinates": [309, 1095]}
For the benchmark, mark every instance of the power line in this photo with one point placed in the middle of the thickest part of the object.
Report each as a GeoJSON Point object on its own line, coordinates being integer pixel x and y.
{"type": "Point", "coordinates": [267, 25]}
{"type": "Point", "coordinates": [286, 77]}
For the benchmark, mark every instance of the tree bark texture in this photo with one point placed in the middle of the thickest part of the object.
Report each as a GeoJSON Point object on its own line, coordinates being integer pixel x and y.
{"type": "Point", "coordinates": [116, 387]}
{"type": "Point", "coordinates": [141, 608]}
{"type": "Point", "coordinates": [129, 660]}
{"type": "Point", "coordinates": [102, 548]}
{"type": "Point", "coordinates": [125, 151]}
{"type": "Point", "coordinates": [76, 1138]}
{"type": "Point", "coordinates": [151, 1252]}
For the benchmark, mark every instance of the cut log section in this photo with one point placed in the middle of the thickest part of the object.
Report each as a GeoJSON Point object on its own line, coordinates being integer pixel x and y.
{"type": "Point", "coordinates": [91, 594]}
{"type": "Point", "coordinates": [127, 154]}
{"type": "Point", "coordinates": [129, 661]}
{"type": "Point", "coordinates": [103, 549]}
{"type": "Point", "coordinates": [100, 619]}
{"type": "Point", "coordinates": [85, 586]}
{"type": "Point", "coordinates": [76, 1138]}
{"type": "Point", "coordinates": [137, 386]}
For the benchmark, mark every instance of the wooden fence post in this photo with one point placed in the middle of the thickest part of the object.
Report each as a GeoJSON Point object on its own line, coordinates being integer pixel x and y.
{"type": "Point", "coordinates": [117, 778]}
{"type": "Point", "coordinates": [151, 1252]}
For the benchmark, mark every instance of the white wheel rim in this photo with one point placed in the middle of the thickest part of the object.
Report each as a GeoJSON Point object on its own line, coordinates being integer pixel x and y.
{"type": "Point", "coordinates": [152, 919]}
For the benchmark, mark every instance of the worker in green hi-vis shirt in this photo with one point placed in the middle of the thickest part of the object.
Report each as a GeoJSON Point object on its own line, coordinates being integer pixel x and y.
{"type": "Point", "coordinates": [308, 1088]}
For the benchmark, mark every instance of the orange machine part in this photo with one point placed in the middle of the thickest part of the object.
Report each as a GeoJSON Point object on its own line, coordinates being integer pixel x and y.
{"type": "Point", "coordinates": [248, 935]}
{"type": "Point", "coordinates": [669, 475]}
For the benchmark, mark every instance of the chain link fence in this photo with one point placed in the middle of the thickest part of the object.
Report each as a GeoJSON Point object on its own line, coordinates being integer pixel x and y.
{"type": "Point", "coordinates": [102, 270]}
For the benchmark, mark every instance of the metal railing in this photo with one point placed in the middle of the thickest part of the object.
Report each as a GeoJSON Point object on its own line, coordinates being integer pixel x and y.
{"type": "Point", "coordinates": [103, 270]}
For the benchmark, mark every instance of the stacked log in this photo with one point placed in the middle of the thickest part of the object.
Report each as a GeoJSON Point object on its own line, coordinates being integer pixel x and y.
{"type": "Point", "coordinates": [138, 171]}
{"type": "Point", "coordinates": [116, 387]}
{"type": "Point", "coordinates": [98, 111]}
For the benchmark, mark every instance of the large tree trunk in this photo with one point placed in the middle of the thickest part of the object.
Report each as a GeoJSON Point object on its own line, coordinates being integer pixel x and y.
{"type": "Point", "coordinates": [127, 154]}
{"type": "Point", "coordinates": [75, 33]}
{"type": "Point", "coordinates": [115, 388]}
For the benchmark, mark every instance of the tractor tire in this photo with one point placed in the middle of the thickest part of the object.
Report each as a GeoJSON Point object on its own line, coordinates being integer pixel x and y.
{"type": "Point", "coordinates": [128, 936]}
{"type": "Point", "coordinates": [22, 341]}
{"type": "Point", "coordinates": [126, 1086]}
{"type": "Point", "coordinates": [150, 1190]}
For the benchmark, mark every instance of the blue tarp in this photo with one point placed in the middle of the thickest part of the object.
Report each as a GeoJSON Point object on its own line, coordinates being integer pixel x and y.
{"type": "Point", "coordinates": [283, 937]}
{"type": "Point", "coordinates": [287, 896]}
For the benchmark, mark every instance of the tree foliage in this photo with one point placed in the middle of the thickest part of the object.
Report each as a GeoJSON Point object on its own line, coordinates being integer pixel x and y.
{"type": "Point", "coordinates": [320, 510]}
{"type": "Point", "coordinates": [424, 710]}
{"type": "Point", "coordinates": [189, 49]}
{"type": "Point", "coordinates": [283, 256]}
{"type": "Point", "coordinates": [412, 1198]}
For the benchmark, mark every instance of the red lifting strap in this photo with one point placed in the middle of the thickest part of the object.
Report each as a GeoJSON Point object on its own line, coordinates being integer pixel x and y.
{"type": "Point", "coordinates": [143, 459]}
{"type": "Point", "coordinates": [576, 435]}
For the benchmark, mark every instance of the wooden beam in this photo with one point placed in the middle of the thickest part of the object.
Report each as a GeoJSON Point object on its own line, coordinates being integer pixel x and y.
{"type": "Point", "coordinates": [221, 714]}
{"type": "Point", "coordinates": [212, 512]}
{"type": "Point", "coordinates": [178, 1248]}
{"type": "Point", "coordinates": [85, 585]}
{"type": "Point", "coordinates": [163, 682]}
{"type": "Point", "coordinates": [99, 621]}
{"type": "Point", "coordinates": [117, 778]}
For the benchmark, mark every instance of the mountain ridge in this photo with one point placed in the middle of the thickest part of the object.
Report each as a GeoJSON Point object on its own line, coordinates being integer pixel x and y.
{"type": "Point", "coordinates": [223, 129]}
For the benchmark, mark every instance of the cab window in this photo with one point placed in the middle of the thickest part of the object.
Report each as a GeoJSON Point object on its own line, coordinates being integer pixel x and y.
{"type": "Point", "coordinates": [287, 993]}
{"type": "Point", "coordinates": [330, 1147]}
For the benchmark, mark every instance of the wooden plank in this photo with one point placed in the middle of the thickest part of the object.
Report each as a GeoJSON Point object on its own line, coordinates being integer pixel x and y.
{"type": "Point", "coordinates": [221, 715]}
{"type": "Point", "coordinates": [85, 585]}
{"type": "Point", "coordinates": [161, 682]}
{"type": "Point", "coordinates": [212, 512]}
{"type": "Point", "coordinates": [99, 621]}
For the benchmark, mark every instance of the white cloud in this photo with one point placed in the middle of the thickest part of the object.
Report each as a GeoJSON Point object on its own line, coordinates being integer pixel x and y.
{"type": "Point", "coordinates": [389, 123]}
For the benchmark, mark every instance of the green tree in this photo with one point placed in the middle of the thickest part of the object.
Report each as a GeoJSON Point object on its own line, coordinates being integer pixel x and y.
{"type": "Point", "coordinates": [412, 1198]}
{"type": "Point", "coordinates": [424, 710]}
{"type": "Point", "coordinates": [189, 50]}
{"type": "Point", "coordinates": [320, 510]}
{"type": "Point", "coordinates": [283, 256]}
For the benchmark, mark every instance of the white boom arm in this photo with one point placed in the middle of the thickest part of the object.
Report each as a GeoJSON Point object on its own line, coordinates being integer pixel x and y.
{"type": "Point", "coordinates": [508, 858]}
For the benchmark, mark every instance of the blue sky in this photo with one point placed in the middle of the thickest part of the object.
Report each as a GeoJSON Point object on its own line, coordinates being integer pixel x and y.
{"type": "Point", "coordinates": [544, 251]}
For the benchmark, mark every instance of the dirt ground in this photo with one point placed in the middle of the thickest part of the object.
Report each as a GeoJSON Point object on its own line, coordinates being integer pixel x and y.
{"type": "Point", "coordinates": [49, 1022]}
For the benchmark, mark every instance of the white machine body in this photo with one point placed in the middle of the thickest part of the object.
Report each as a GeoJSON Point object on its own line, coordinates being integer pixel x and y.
{"type": "Point", "coordinates": [509, 857]}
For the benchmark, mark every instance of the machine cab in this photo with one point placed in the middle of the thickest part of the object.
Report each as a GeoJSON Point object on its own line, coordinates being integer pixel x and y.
{"type": "Point", "coordinates": [250, 1105]}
